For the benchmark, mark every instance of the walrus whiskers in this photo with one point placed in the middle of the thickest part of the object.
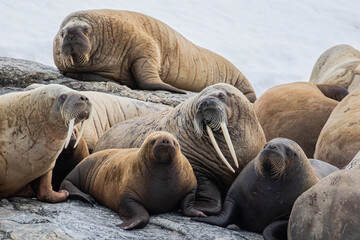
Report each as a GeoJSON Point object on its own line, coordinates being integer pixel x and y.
{"type": "Point", "coordinates": [229, 142]}
{"type": "Point", "coordinates": [80, 134]}
{"type": "Point", "coordinates": [216, 146]}
{"type": "Point", "coordinates": [70, 130]}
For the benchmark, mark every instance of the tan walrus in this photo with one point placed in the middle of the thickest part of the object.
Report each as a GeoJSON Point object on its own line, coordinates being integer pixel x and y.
{"type": "Point", "coordinates": [297, 111]}
{"type": "Point", "coordinates": [138, 51]}
{"type": "Point", "coordinates": [217, 124]}
{"type": "Point", "coordinates": [339, 140]}
{"type": "Point", "coordinates": [35, 126]}
{"type": "Point", "coordinates": [338, 65]}
{"type": "Point", "coordinates": [136, 182]}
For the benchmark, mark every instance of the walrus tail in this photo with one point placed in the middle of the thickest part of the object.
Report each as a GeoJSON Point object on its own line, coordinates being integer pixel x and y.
{"type": "Point", "coordinates": [224, 218]}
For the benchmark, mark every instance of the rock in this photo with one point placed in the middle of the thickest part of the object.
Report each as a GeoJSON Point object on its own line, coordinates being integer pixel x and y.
{"type": "Point", "coordinates": [24, 218]}
{"type": "Point", "coordinates": [355, 162]}
{"type": "Point", "coordinates": [16, 74]}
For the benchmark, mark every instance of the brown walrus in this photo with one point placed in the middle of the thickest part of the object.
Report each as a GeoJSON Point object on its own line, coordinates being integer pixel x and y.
{"type": "Point", "coordinates": [297, 111]}
{"type": "Point", "coordinates": [219, 116]}
{"type": "Point", "coordinates": [338, 65]}
{"type": "Point", "coordinates": [330, 209]}
{"type": "Point", "coordinates": [35, 126]}
{"type": "Point", "coordinates": [138, 51]}
{"type": "Point", "coordinates": [261, 197]}
{"type": "Point", "coordinates": [136, 182]}
{"type": "Point", "coordinates": [339, 140]}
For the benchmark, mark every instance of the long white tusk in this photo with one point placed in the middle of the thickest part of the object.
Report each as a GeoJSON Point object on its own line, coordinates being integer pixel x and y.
{"type": "Point", "coordinates": [70, 130]}
{"type": "Point", "coordinates": [80, 134]}
{"type": "Point", "coordinates": [229, 142]}
{"type": "Point", "coordinates": [216, 146]}
{"type": "Point", "coordinates": [71, 60]}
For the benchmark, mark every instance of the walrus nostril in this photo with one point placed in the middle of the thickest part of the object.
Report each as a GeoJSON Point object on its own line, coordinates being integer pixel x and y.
{"type": "Point", "coordinates": [203, 104]}
{"type": "Point", "coordinates": [165, 141]}
{"type": "Point", "coordinates": [83, 98]}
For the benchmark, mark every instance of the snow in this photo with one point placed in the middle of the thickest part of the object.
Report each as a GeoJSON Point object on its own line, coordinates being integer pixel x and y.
{"type": "Point", "coordinates": [271, 42]}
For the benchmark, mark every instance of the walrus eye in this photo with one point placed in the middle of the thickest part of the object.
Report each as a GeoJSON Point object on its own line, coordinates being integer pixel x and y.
{"type": "Point", "coordinates": [221, 96]}
{"type": "Point", "coordinates": [265, 145]}
{"type": "Point", "coordinates": [62, 98]}
{"type": "Point", "coordinates": [152, 142]}
{"type": "Point", "coordinates": [62, 33]}
{"type": "Point", "coordinates": [86, 29]}
{"type": "Point", "coordinates": [288, 152]}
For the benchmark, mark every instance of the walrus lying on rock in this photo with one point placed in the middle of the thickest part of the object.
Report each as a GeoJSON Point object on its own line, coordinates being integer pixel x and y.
{"type": "Point", "coordinates": [138, 51]}
{"type": "Point", "coordinates": [136, 182]}
{"type": "Point", "coordinates": [219, 116]}
{"type": "Point", "coordinates": [261, 197]}
{"type": "Point", "coordinates": [35, 126]}
{"type": "Point", "coordinates": [297, 111]}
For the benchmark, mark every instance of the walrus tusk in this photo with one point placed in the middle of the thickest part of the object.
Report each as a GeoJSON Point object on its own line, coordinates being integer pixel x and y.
{"type": "Point", "coordinates": [80, 134]}
{"type": "Point", "coordinates": [71, 128]}
{"type": "Point", "coordinates": [229, 142]}
{"type": "Point", "coordinates": [216, 146]}
{"type": "Point", "coordinates": [71, 60]}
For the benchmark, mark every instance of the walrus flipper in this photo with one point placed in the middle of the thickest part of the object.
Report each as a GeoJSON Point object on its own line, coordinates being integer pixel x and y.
{"type": "Point", "coordinates": [147, 76]}
{"type": "Point", "coordinates": [83, 76]}
{"type": "Point", "coordinates": [223, 219]}
{"type": "Point", "coordinates": [187, 206]}
{"type": "Point", "coordinates": [75, 193]}
{"type": "Point", "coordinates": [208, 198]}
{"type": "Point", "coordinates": [333, 91]}
{"type": "Point", "coordinates": [133, 214]}
{"type": "Point", "coordinates": [276, 230]}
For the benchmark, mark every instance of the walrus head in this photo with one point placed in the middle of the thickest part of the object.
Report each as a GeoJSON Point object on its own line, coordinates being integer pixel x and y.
{"type": "Point", "coordinates": [76, 44]}
{"type": "Point", "coordinates": [162, 147]}
{"type": "Point", "coordinates": [278, 156]}
{"type": "Point", "coordinates": [212, 114]}
{"type": "Point", "coordinates": [69, 108]}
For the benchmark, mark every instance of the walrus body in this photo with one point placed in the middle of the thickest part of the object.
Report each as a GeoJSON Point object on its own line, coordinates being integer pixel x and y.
{"type": "Point", "coordinates": [218, 109]}
{"type": "Point", "coordinates": [138, 51]}
{"type": "Point", "coordinates": [108, 110]}
{"type": "Point", "coordinates": [261, 197]}
{"type": "Point", "coordinates": [338, 65]}
{"type": "Point", "coordinates": [136, 182]}
{"type": "Point", "coordinates": [297, 111]}
{"type": "Point", "coordinates": [339, 140]}
{"type": "Point", "coordinates": [34, 127]}
{"type": "Point", "coordinates": [328, 210]}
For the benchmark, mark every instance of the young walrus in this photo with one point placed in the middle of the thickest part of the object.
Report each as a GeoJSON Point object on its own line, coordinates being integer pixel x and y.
{"type": "Point", "coordinates": [136, 182]}
{"type": "Point", "coordinates": [261, 197]}
{"type": "Point", "coordinates": [138, 51]}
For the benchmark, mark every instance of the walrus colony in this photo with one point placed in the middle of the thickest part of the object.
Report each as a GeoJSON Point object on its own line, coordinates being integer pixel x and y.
{"type": "Point", "coordinates": [142, 52]}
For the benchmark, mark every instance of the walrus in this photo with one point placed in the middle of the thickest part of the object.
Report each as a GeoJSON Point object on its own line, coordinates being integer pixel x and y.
{"type": "Point", "coordinates": [107, 111]}
{"type": "Point", "coordinates": [219, 116]}
{"type": "Point", "coordinates": [155, 178]}
{"type": "Point", "coordinates": [339, 140]}
{"type": "Point", "coordinates": [338, 65]}
{"type": "Point", "coordinates": [297, 111]}
{"type": "Point", "coordinates": [328, 210]}
{"type": "Point", "coordinates": [261, 197]}
{"type": "Point", "coordinates": [140, 52]}
{"type": "Point", "coordinates": [35, 126]}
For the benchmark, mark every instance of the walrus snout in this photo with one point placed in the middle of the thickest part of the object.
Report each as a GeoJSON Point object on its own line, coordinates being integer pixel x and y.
{"type": "Point", "coordinates": [271, 161]}
{"type": "Point", "coordinates": [164, 150]}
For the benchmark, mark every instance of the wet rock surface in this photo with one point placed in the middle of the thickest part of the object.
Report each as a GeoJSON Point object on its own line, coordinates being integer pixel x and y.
{"type": "Point", "coordinates": [24, 218]}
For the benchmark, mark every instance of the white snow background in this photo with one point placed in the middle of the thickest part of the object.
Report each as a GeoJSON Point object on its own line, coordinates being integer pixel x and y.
{"type": "Point", "coordinates": [271, 42]}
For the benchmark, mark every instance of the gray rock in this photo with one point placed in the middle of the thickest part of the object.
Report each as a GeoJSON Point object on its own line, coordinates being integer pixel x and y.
{"type": "Point", "coordinates": [355, 162]}
{"type": "Point", "coordinates": [23, 218]}
{"type": "Point", "coordinates": [16, 74]}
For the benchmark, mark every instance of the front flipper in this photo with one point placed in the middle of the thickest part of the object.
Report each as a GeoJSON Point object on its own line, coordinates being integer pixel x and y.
{"type": "Point", "coordinates": [133, 214]}
{"type": "Point", "coordinates": [146, 75]}
{"type": "Point", "coordinates": [224, 218]}
{"type": "Point", "coordinates": [333, 91]}
{"type": "Point", "coordinates": [276, 230]}
{"type": "Point", "coordinates": [187, 206]}
{"type": "Point", "coordinates": [90, 77]}
{"type": "Point", "coordinates": [44, 191]}
{"type": "Point", "coordinates": [208, 197]}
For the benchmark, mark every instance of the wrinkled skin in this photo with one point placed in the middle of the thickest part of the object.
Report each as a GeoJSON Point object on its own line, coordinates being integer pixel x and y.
{"type": "Point", "coordinates": [155, 178]}
{"type": "Point", "coordinates": [297, 111]}
{"type": "Point", "coordinates": [339, 139]}
{"type": "Point", "coordinates": [338, 65]}
{"type": "Point", "coordinates": [138, 51]}
{"type": "Point", "coordinates": [33, 131]}
{"type": "Point", "coordinates": [261, 197]}
{"type": "Point", "coordinates": [188, 123]}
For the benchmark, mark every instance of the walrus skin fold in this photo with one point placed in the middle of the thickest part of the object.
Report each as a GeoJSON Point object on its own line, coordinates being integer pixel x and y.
{"type": "Point", "coordinates": [140, 52]}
